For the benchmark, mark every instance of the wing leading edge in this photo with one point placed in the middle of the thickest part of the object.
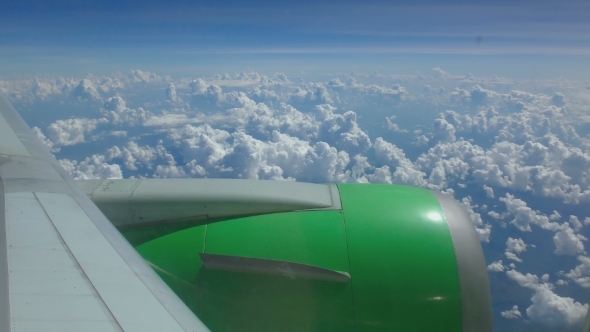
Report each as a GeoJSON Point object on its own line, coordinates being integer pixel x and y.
{"type": "Point", "coordinates": [63, 265]}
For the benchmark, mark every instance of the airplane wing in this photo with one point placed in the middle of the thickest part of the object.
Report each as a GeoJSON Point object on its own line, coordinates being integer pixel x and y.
{"type": "Point", "coordinates": [63, 265]}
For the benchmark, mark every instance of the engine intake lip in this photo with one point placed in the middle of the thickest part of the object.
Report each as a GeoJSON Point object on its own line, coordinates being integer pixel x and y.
{"type": "Point", "coordinates": [476, 301]}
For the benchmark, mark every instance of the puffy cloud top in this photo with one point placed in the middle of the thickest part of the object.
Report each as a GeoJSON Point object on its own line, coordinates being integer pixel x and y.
{"type": "Point", "coordinates": [86, 90]}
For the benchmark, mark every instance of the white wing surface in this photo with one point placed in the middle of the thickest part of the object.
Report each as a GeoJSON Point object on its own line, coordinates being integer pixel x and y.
{"type": "Point", "coordinates": [63, 265]}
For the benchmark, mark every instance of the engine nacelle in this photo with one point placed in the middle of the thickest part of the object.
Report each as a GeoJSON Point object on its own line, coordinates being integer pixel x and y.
{"type": "Point", "coordinates": [365, 258]}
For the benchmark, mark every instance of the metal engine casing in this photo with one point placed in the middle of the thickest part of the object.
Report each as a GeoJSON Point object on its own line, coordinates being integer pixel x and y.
{"type": "Point", "coordinates": [386, 258]}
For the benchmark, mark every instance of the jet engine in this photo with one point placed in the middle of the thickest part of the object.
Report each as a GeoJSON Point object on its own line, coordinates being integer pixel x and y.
{"type": "Point", "coordinates": [282, 256]}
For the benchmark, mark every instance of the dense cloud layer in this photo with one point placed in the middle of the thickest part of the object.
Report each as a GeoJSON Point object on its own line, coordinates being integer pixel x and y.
{"type": "Point", "coordinates": [501, 146]}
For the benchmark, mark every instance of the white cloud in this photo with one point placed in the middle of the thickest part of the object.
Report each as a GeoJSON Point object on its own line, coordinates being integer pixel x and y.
{"type": "Point", "coordinates": [139, 76]}
{"type": "Point", "coordinates": [93, 167]}
{"type": "Point", "coordinates": [515, 245]}
{"type": "Point", "coordinates": [513, 313]}
{"type": "Point", "coordinates": [524, 216]}
{"type": "Point", "coordinates": [405, 172]}
{"type": "Point", "coordinates": [198, 86]}
{"type": "Point", "coordinates": [118, 133]}
{"type": "Point", "coordinates": [171, 94]}
{"type": "Point", "coordinates": [443, 131]}
{"type": "Point", "coordinates": [260, 119]}
{"type": "Point", "coordinates": [547, 307]}
{"type": "Point", "coordinates": [217, 153]}
{"type": "Point", "coordinates": [555, 216]}
{"type": "Point", "coordinates": [341, 130]}
{"type": "Point", "coordinates": [529, 280]}
{"type": "Point", "coordinates": [422, 140]}
{"type": "Point", "coordinates": [439, 73]}
{"type": "Point", "coordinates": [581, 273]}
{"type": "Point", "coordinates": [393, 126]}
{"type": "Point", "coordinates": [496, 266]}
{"type": "Point", "coordinates": [170, 171]}
{"type": "Point", "coordinates": [44, 89]}
{"type": "Point", "coordinates": [551, 309]}
{"type": "Point", "coordinates": [72, 131]}
{"type": "Point", "coordinates": [44, 140]}
{"type": "Point", "coordinates": [116, 110]}
{"type": "Point", "coordinates": [86, 90]}
{"type": "Point", "coordinates": [512, 256]}
{"type": "Point", "coordinates": [483, 230]}
{"type": "Point", "coordinates": [532, 150]}
{"type": "Point", "coordinates": [134, 156]}
{"type": "Point", "coordinates": [558, 99]}
{"type": "Point", "coordinates": [575, 222]}
{"type": "Point", "coordinates": [489, 191]}
{"type": "Point", "coordinates": [567, 242]}
{"type": "Point", "coordinates": [310, 95]}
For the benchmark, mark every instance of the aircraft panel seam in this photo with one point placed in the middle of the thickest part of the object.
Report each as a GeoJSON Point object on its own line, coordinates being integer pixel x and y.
{"type": "Point", "coordinates": [81, 270]}
{"type": "Point", "coordinates": [137, 289]}
{"type": "Point", "coordinates": [347, 256]}
{"type": "Point", "coordinates": [4, 282]}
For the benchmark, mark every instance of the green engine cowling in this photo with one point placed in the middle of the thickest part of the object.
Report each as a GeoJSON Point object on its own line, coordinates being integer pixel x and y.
{"type": "Point", "coordinates": [387, 258]}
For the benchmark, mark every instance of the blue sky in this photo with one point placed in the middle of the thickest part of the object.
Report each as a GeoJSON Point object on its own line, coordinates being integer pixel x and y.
{"type": "Point", "coordinates": [528, 38]}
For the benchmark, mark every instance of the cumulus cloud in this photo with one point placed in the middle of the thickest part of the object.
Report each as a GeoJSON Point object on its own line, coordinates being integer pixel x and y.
{"type": "Point", "coordinates": [393, 126]}
{"type": "Point", "coordinates": [94, 167]}
{"type": "Point", "coordinates": [489, 191]}
{"type": "Point", "coordinates": [512, 256]}
{"type": "Point", "coordinates": [561, 282]}
{"type": "Point", "coordinates": [44, 89]}
{"type": "Point", "coordinates": [171, 93]}
{"type": "Point", "coordinates": [513, 313]}
{"type": "Point", "coordinates": [440, 73]}
{"type": "Point", "coordinates": [44, 140]}
{"type": "Point", "coordinates": [553, 310]}
{"type": "Point", "coordinates": [217, 153]}
{"type": "Point", "coordinates": [581, 273]}
{"type": "Point", "coordinates": [443, 131]}
{"type": "Point", "coordinates": [558, 99]}
{"type": "Point", "coordinates": [396, 166]}
{"type": "Point", "coordinates": [116, 110]}
{"type": "Point", "coordinates": [524, 216]}
{"type": "Point", "coordinates": [139, 76]}
{"type": "Point", "coordinates": [311, 95]}
{"type": "Point", "coordinates": [533, 149]}
{"type": "Point", "coordinates": [342, 129]}
{"type": "Point", "coordinates": [198, 86]}
{"type": "Point", "coordinates": [547, 307]}
{"type": "Point", "coordinates": [483, 230]}
{"type": "Point", "coordinates": [86, 90]}
{"type": "Point", "coordinates": [568, 243]}
{"type": "Point", "coordinates": [134, 156]}
{"type": "Point", "coordinates": [72, 131]}
{"type": "Point", "coordinates": [513, 247]}
{"type": "Point", "coordinates": [496, 266]}
{"type": "Point", "coordinates": [575, 223]}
